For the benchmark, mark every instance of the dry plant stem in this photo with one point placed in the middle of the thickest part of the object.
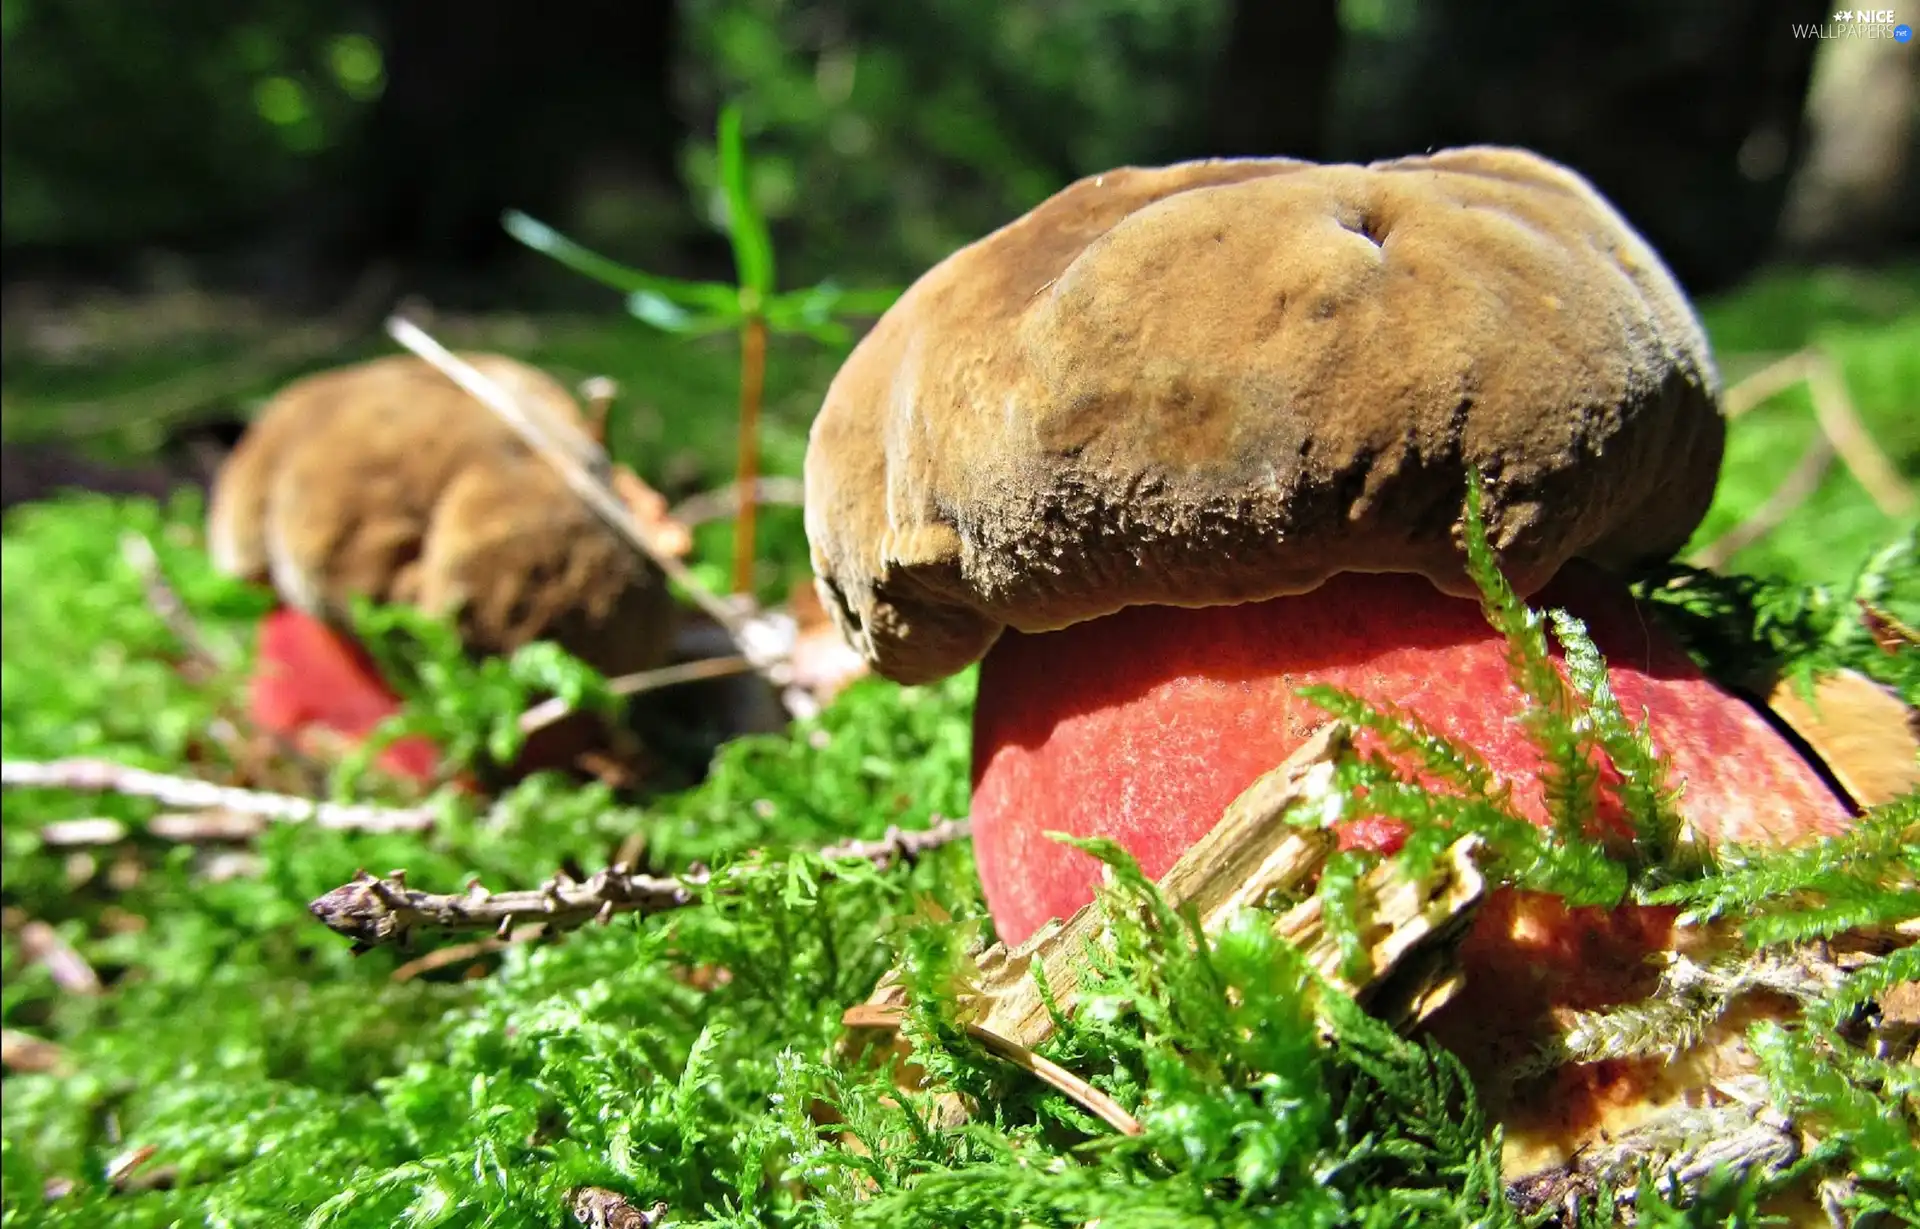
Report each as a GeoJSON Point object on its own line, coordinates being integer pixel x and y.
{"type": "Point", "coordinates": [23, 1052]}
{"type": "Point", "coordinates": [83, 833]}
{"type": "Point", "coordinates": [562, 453]}
{"type": "Point", "coordinates": [373, 911]}
{"type": "Point", "coordinates": [166, 602]}
{"type": "Point", "coordinates": [1890, 634]}
{"type": "Point", "coordinates": [107, 777]}
{"type": "Point", "coordinates": [183, 827]}
{"type": "Point", "coordinates": [1794, 490]}
{"type": "Point", "coordinates": [1833, 407]}
{"type": "Point", "coordinates": [1762, 386]}
{"type": "Point", "coordinates": [598, 392]}
{"type": "Point", "coordinates": [548, 712]}
{"type": "Point", "coordinates": [443, 957]}
{"type": "Point", "coordinates": [596, 1207]}
{"type": "Point", "coordinates": [1840, 426]}
{"type": "Point", "coordinates": [723, 501]}
{"type": "Point", "coordinates": [1250, 857]}
{"type": "Point", "coordinates": [70, 971]}
{"type": "Point", "coordinates": [1048, 1072]}
{"type": "Point", "coordinates": [753, 374]}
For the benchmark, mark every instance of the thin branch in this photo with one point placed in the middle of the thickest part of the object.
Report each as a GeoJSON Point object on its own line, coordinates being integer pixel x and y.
{"type": "Point", "coordinates": [1833, 409]}
{"type": "Point", "coordinates": [1762, 386]}
{"type": "Point", "coordinates": [23, 1052]}
{"type": "Point", "coordinates": [546, 713]}
{"type": "Point", "coordinates": [1889, 634]}
{"type": "Point", "coordinates": [441, 957]}
{"type": "Point", "coordinates": [373, 910]}
{"type": "Point", "coordinates": [166, 602]}
{"type": "Point", "coordinates": [1044, 1069]}
{"type": "Point", "coordinates": [1793, 491]}
{"type": "Point", "coordinates": [599, 393]}
{"type": "Point", "coordinates": [191, 793]}
{"type": "Point", "coordinates": [1841, 429]}
{"type": "Point", "coordinates": [721, 501]}
{"type": "Point", "coordinates": [83, 833]}
{"type": "Point", "coordinates": [70, 971]}
{"type": "Point", "coordinates": [563, 445]}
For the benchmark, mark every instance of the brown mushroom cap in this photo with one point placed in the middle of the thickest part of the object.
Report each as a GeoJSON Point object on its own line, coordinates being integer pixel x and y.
{"type": "Point", "coordinates": [388, 481]}
{"type": "Point", "coordinates": [1225, 381]}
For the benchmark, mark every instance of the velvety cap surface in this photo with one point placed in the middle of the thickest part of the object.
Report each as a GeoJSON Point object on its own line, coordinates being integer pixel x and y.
{"type": "Point", "coordinates": [1225, 381]}
{"type": "Point", "coordinates": [386, 480]}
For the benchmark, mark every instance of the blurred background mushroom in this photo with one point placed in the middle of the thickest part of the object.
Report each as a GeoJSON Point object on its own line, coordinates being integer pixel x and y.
{"type": "Point", "coordinates": [1180, 442]}
{"type": "Point", "coordinates": [385, 481]}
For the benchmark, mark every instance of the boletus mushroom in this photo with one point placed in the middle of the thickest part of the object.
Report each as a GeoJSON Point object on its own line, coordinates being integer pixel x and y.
{"type": "Point", "coordinates": [386, 480]}
{"type": "Point", "coordinates": [1181, 441]}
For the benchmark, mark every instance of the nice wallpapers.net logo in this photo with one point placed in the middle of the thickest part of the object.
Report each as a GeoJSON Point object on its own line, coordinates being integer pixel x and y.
{"type": "Point", "coordinates": [1859, 23]}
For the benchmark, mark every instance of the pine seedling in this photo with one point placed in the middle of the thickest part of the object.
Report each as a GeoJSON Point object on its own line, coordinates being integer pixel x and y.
{"type": "Point", "coordinates": [752, 306]}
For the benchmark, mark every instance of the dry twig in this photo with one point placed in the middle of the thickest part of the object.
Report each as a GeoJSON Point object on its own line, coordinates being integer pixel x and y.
{"type": "Point", "coordinates": [1069, 1085]}
{"type": "Point", "coordinates": [70, 971]}
{"type": "Point", "coordinates": [443, 957]}
{"type": "Point", "coordinates": [1795, 489]}
{"type": "Point", "coordinates": [166, 602]}
{"type": "Point", "coordinates": [1251, 856]}
{"type": "Point", "coordinates": [1833, 409]}
{"type": "Point", "coordinates": [1889, 634]}
{"type": "Point", "coordinates": [1840, 432]}
{"type": "Point", "coordinates": [1248, 858]}
{"type": "Point", "coordinates": [546, 713]}
{"type": "Point", "coordinates": [373, 910]}
{"type": "Point", "coordinates": [23, 1052]}
{"type": "Point", "coordinates": [107, 777]}
{"type": "Point", "coordinates": [723, 500]}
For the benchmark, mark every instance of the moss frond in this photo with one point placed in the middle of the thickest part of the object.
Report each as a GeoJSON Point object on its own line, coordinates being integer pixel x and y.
{"type": "Point", "coordinates": [1744, 628]}
{"type": "Point", "coordinates": [1553, 716]}
{"type": "Point", "coordinates": [1864, 877]}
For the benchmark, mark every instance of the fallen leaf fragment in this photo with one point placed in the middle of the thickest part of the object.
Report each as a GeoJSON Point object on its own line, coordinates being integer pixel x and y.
{"type": "Point", "coordinates": [1867, 736]}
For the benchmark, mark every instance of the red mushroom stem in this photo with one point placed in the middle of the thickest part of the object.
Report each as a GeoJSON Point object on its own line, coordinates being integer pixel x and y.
{"type": "Point", "coordinates": [1142, 726]}
{"type": "Point", "coordinates": [307, 675]}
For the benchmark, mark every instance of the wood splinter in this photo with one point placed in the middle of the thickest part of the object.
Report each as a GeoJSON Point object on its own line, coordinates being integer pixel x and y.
{"type": "Point", "coordinates": [1250, 858]}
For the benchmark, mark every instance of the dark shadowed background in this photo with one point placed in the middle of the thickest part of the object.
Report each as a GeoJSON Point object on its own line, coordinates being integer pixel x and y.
{"type": "Point", "coordinates": [283, 145]}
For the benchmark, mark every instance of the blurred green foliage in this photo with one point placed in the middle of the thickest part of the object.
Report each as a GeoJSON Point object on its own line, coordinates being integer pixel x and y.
{"type": "Point", "coordinates": [933, 123]}
{"type": "Point", "coordinates": [131, 123]}
{"type": "Point", "coordinates": [921, 127]}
